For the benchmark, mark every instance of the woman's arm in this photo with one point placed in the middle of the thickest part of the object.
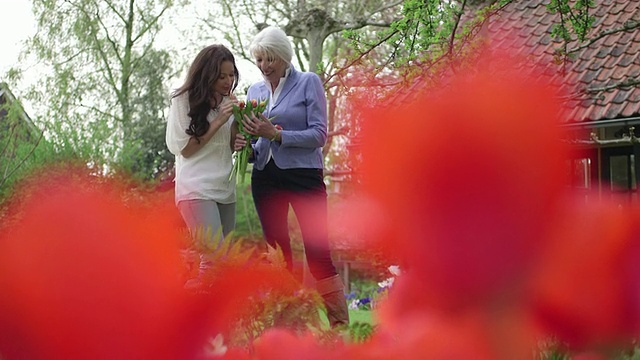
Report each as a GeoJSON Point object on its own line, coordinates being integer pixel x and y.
{"type": "Point", "coordinates": [194, 145]}
{"type": "Point", "coordinates": [315, 110]}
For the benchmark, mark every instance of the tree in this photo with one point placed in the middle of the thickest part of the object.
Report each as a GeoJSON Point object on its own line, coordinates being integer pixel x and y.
{"type": "Point", "coordinates": [309, 23]}
{"type": "Point", "coordinates": [104, 91]}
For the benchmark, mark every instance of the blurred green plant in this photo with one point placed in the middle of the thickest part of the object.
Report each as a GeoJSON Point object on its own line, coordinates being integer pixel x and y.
{"type": "Point", "coordinates": [247, 221]}
{"type": "Point", "coordinates": [632, 354]}
{"type": "Point", "coordinates": [360, 332]}
{"type": "Point", "coordinates": [552, 349]}
{"type": "Point", "coordinates": [270, 306]}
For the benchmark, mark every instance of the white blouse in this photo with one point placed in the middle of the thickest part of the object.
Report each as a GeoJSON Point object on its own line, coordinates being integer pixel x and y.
{"type": "Point", "coordinates": [205, 174]}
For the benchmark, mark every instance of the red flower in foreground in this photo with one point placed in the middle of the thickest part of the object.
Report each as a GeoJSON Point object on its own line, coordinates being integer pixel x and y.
{"type": "Point", "coordinates": [586, 290]}
{"type": "Point", "coordinates": [469, 197]}
{"type": "Point", "coordinates": [85, 277]}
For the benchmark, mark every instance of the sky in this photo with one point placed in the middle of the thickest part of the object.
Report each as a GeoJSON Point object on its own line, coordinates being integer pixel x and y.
{"type": "Point", "coordinates": [17, 24]}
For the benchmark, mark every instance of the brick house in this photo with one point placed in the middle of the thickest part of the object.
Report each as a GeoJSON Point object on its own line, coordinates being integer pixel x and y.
{"type": "Point", "coordinates": [603, 72]}
{"type": "Point", "coordinates": [602, 76]}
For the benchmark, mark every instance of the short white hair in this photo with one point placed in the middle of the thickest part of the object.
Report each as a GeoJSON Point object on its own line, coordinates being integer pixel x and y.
{"type": "Point", "coordinates": [272, 42]}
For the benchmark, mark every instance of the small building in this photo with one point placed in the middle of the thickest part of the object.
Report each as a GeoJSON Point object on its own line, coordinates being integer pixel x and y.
{"type": "Point", "coordinates": [18, 137]}
{"type": "Point", "coordinates": [12, 114]}
{"type": "Point", "coordinates": [603, 121]}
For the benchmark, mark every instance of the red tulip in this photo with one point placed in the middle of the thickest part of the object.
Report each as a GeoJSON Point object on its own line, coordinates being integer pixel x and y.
{"type": "Point", "coordinates": [587, 286]}
{"type": "Point", "coordinates": [461, 204]}
{"type": "Point", "coordinates": [84, 276]}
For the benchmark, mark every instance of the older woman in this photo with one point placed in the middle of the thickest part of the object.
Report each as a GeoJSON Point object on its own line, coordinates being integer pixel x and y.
{"type": "Point", "coordinates": [288, 166]}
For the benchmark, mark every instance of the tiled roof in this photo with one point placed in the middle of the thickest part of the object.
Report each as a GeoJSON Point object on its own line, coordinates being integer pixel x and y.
{"type": "Point", "coordinates": [6, 96]}
{"type": "Point", "coordinates": [525, 26]}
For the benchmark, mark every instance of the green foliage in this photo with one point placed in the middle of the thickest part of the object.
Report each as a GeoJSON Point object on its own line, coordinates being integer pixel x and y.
{"type": "Point", "coordinates": [360, 332]}
{"type": "Point", "coordinates": [144, 153]}
{"type": "Point", "coordinates": [574, 25]}
{"type": "Point", "coordinates": [361, 316]}
{"type": "Point", "coordinates": [365, 289]}
{"type": "Point", "coordinates": [23, 149]}
{"type": "Point", "coordinates": [247, 221]}
{"type": "Point", "coordinates": [424, 24]}
{"type": "Point", "coordinates": [297, 312]}
{"type": "Point", "coordinates": [270, 306]}
{"type": "Point", "coordinates": [552, 349]}
{"type": "Point", "coordinates": [425, 30]}
{"type": "Point", "coordinates": [217, 249]}
{"type": "Point", "coordinates": [631, 354]}
{"type": "Point", "coordinates": [574, 19]}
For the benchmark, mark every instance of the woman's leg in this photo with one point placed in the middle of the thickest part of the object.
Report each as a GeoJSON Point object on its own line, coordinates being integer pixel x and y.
{"type": "Point", "coordinates": [227, 217]}
{"type": "Point", "coordinates": [309, 202]}
{"type": "Point", "coordinates": [310, 205]}
{"type": "Point", "coordinates": [202, 217]}
{"type": "Point", "coordinates": [272, 206]}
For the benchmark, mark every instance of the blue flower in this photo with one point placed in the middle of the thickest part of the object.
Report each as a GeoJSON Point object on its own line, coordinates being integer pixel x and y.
{"type": "Point", "coordinates": [364, 301]}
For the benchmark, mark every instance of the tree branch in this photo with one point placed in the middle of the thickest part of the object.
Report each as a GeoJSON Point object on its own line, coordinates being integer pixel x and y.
{"type": "Point", "coordinates": [113, 8]}
{"type": "Point", "coordinates": [363, 23]}
{"type": "Point", "coordinates": [235, 27]}
{"type": "Point", "coordinates": [149, 24]}
{"type": "Point", "coordinates": [628, 26]}
{"type": "Point", "coordinates": [455, 26]}
{"type": "Point", "coordinates": [630, 82]}
{"type": "Point", "coordinates": [359, 57]}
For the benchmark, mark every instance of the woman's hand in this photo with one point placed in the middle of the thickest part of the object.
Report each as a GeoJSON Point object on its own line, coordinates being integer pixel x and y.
{"type": "Point", "coordinates": [259, 126]}
{"type": "Point", "coordinates": [225, 110]}
{"type": "Point", "coordinates": [239, 142]}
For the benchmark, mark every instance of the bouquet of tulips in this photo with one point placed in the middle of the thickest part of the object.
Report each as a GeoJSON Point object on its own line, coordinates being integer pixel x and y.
{"type": "Point", "coordinates": [255, 107]}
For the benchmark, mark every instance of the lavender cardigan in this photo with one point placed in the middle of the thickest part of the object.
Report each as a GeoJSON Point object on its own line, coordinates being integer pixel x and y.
{"type": "Point", "coordinates": [301, 110]}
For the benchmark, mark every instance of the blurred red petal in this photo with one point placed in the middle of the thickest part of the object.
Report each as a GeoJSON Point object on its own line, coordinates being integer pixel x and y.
{"type": "Point", "coordinates": [586, 291]}
{"type": "Point", "coordinates": [87, 277]}
{"type": "Point", "coordinates": [281, 344]}
{"type": "Point", "coordinates": [468, 175]}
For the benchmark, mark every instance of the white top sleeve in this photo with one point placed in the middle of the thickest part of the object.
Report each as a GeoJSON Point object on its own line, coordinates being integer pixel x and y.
{"type": "Point", "coordinates": [178, 123]}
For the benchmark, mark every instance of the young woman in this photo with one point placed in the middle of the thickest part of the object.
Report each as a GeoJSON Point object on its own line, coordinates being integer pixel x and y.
{"type": "Point", "coordinates": [199, 132]}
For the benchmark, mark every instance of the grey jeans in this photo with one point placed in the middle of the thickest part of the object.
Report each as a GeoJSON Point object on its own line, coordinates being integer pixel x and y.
{"type": "Point", "coordinates": [208, 214]}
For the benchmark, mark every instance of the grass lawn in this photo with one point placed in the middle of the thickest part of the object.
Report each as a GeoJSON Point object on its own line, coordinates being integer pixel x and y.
{"type": "Point", "coordinates": [362, 316]}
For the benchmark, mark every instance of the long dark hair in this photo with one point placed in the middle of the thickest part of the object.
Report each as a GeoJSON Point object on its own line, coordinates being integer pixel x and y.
{"type": "Point", "coordinates": [203, 73]}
